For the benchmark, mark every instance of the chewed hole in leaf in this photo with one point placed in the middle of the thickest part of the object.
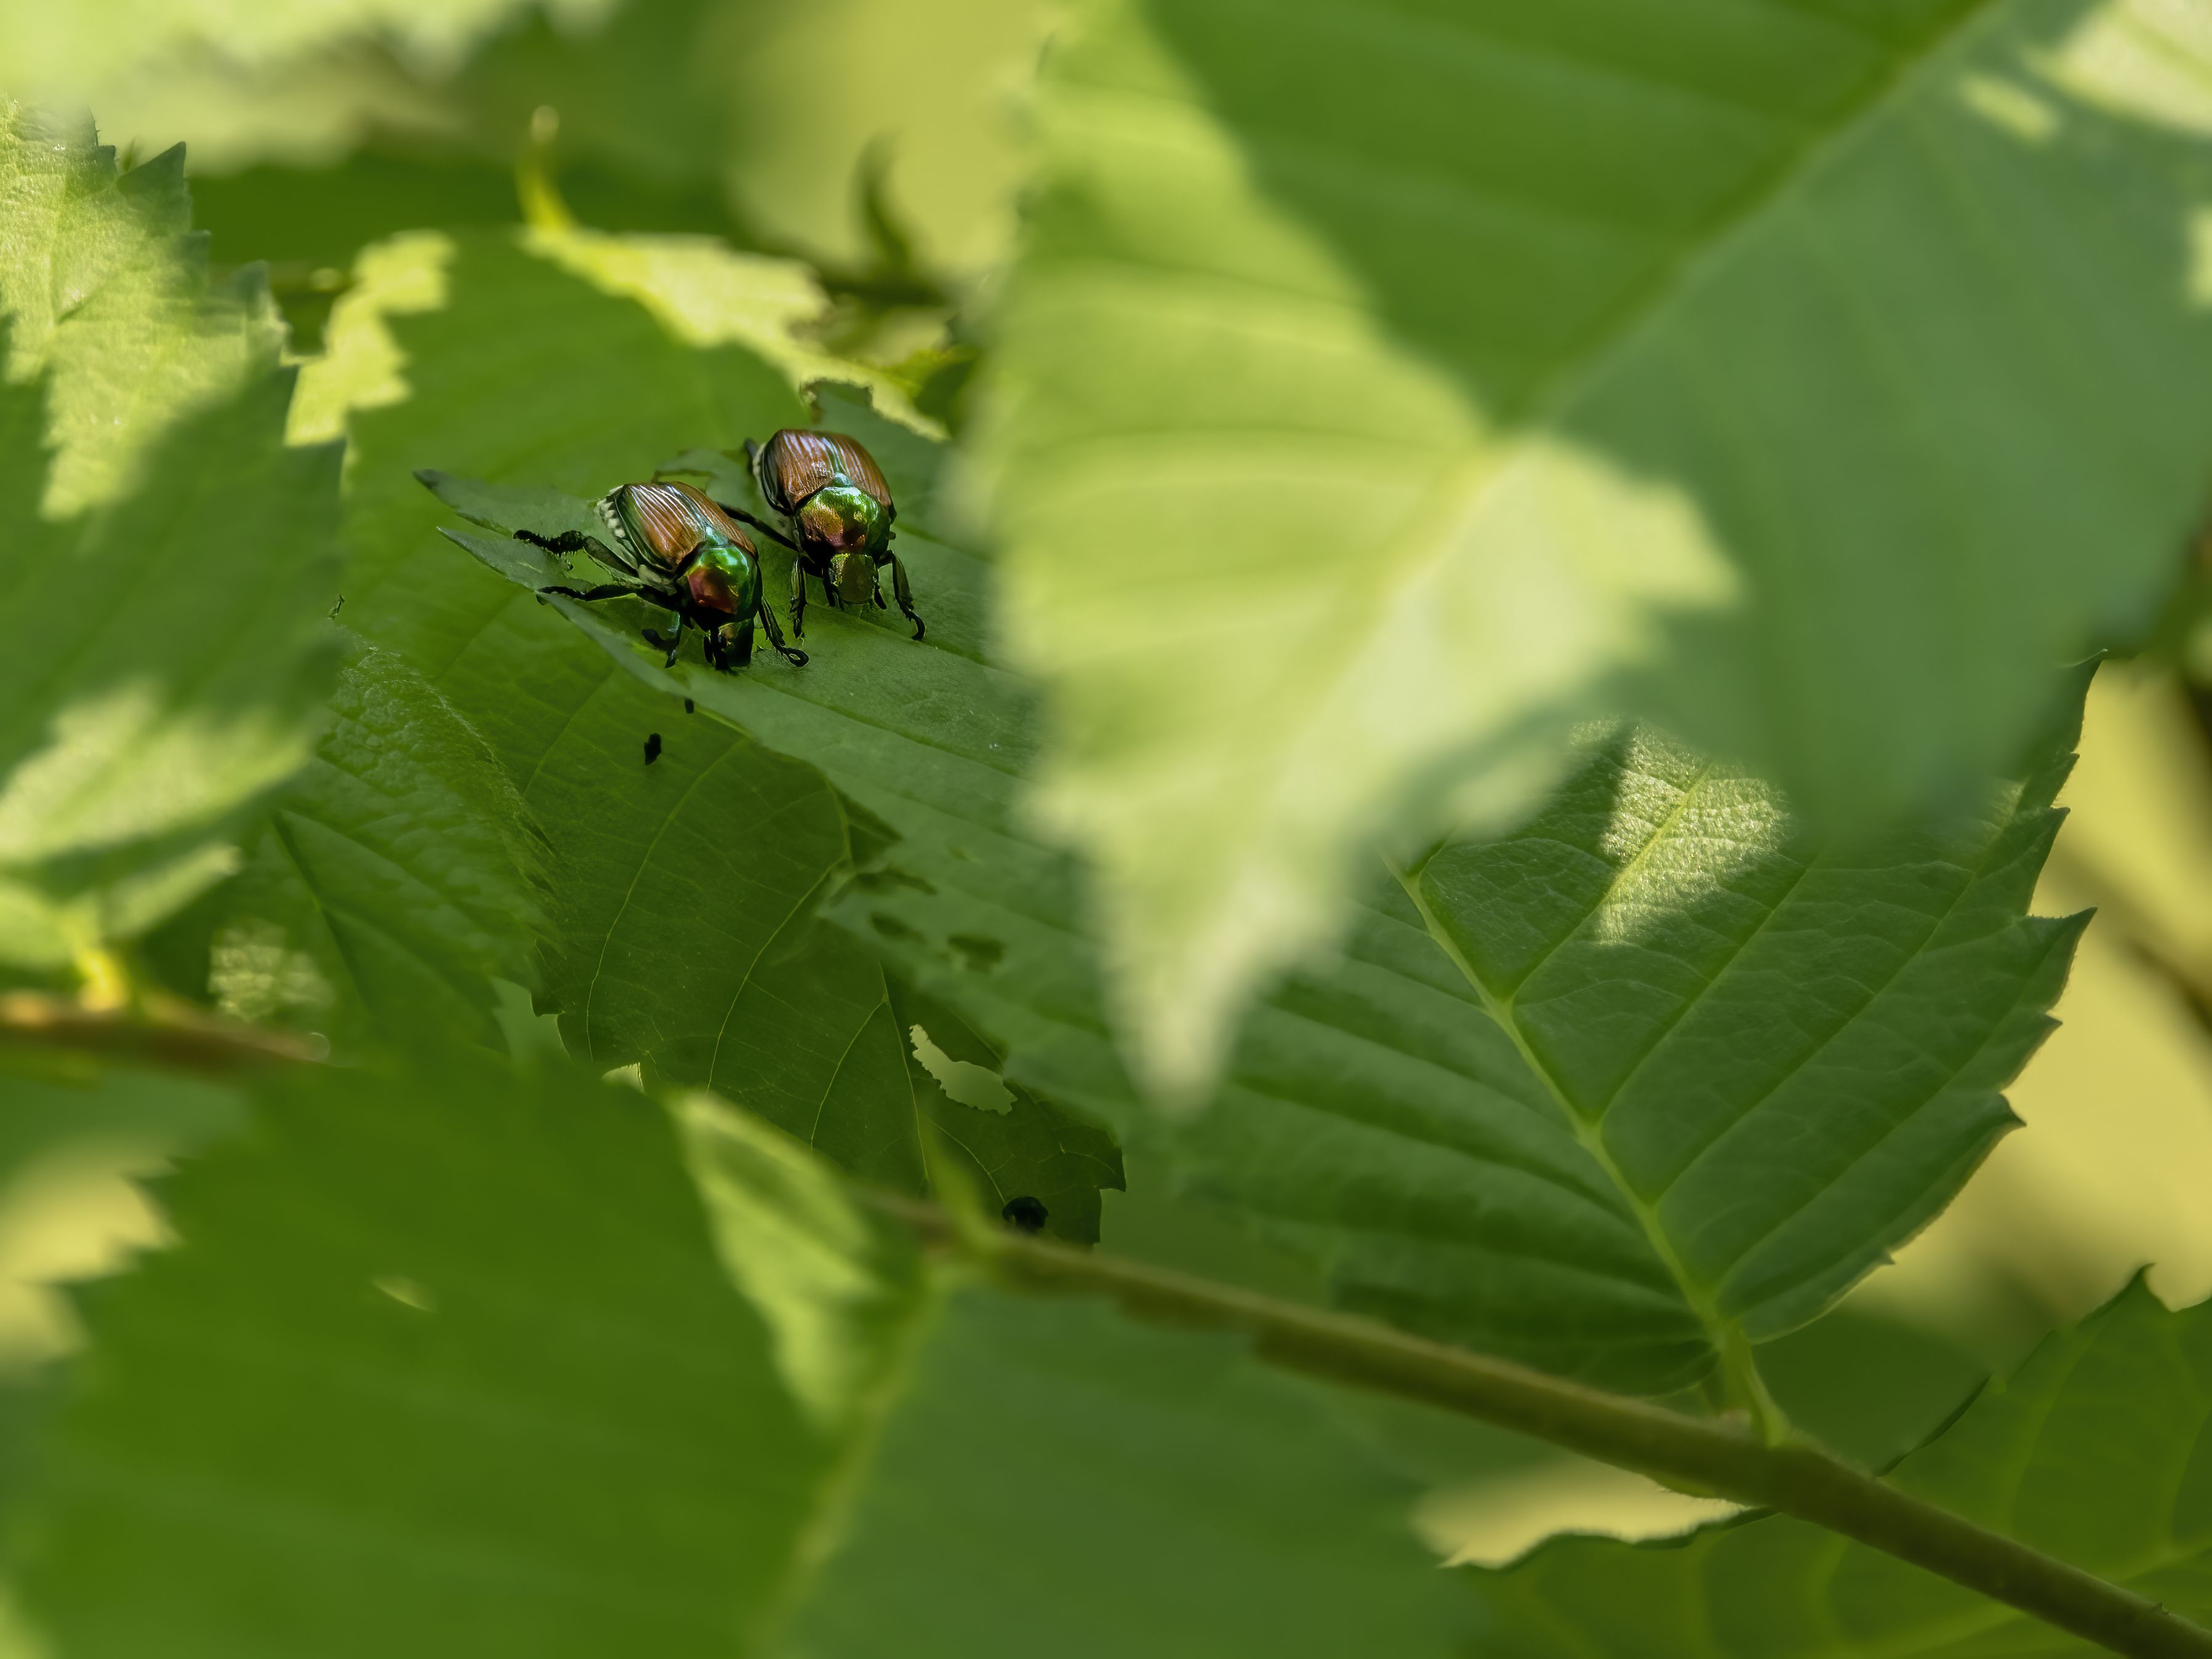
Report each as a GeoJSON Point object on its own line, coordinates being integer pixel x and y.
{"type": "Point", "coordinates": [980, 954]}
{"type": "Point", "coordinates": [254, 972]}
{"type": "Point", "coordinates": [406, 1292]}
{"type": "Point", "coordinates": [964, 1080]}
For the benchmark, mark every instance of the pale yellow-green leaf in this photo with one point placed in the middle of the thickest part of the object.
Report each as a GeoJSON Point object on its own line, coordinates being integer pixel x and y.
{"type": "Point", "coordinates": [106, 292]}
{"type": "Point", "coordinates": [707, 294]}
{"type": "Point", "coordinates": [362, 366]}
{"type": "Point", "coordinates": [1765, 373]}
{"type": "Point", "coordinates": [791, 1241]}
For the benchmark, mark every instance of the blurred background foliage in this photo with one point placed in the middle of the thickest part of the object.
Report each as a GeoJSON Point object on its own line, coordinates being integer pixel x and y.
{"type": "Point", "coordinates": [879, 145]}
{"type": "Point", "coordinates": [878, 142]}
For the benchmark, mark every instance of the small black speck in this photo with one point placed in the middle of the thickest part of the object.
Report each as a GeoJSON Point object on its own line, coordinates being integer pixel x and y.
{"type": "Point", "coordinates": [652, 747]}
{"type": "Point", "coordinates": [687, 705]}
{"type": "Point", "coordinates": [1026, 1213]}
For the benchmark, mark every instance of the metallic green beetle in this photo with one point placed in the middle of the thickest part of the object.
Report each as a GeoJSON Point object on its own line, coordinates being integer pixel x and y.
{"type": "Point", "coordinates": [674, 548]}
{"type": "Point", "coordinates": [829, 489]}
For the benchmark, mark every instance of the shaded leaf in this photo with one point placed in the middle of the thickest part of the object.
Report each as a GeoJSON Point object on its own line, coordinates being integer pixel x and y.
{"type": "Point", "coordinates": [688, 885]}
{"type": "Point", "coordinates": [397, 875]}
{"type": "Point", "coordinates": [1027, 1148]}
{"type": "Point", "coordinates": [445, 1363]}
{"type": "Point", "coordinates": [1055, 1474]}
{"type": "Point", "coordinates": [1427, 1136]}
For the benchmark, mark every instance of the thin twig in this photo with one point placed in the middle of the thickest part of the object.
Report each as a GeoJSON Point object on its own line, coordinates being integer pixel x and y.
{"type": "Point", "coordinates": [178, 1035]}
{"type": "Point", "coordinates": [1719, 1456]}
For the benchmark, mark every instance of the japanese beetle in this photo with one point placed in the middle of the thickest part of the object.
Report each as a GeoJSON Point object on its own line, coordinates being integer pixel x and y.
{"type": "Point", "coordinates": [830, 492]}
{"type": "Point", "coordinates": [674, 548]}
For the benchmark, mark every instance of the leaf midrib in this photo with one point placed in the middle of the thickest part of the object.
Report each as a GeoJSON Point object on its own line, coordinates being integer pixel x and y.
{"type": "Point", "coordinates": [1717, 1329]}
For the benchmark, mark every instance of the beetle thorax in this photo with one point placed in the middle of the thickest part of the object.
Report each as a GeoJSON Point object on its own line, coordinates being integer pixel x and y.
{"type": "Point", "coordinates": [843, 518]}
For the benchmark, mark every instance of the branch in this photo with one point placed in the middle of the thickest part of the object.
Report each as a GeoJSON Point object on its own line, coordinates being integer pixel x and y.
{"type": "Point", "coordinates": [170, 1035]}
{"type": "Point", "coordinates": [1693, 1453]}
{"type": "Point", "coordinates": [1700, 1454]}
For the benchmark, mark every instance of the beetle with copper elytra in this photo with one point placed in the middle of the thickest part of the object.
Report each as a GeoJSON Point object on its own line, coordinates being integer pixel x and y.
{"type": "Point", "coordinates": [829, 489]}
{"type": "Point", "coordinates": [674, 548]}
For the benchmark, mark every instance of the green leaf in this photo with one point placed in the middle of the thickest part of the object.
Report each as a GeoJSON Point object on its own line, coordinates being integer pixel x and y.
{"type": "Point", "coordinates": [106, 293]}
{"type": "Point", "coordinates": [1370, 407]}
{"type": "Point", "coordinates": [1054, 1475]}
{"type": "Point", "coordinates": [707, 293]}
{"type": "Point", "coordinates": [1018, 1145]}
{"type": "Point", "coordinates": [445, 1363]}
{"type": "Point", "coordinates": [687, 885]}
{"type": "Point", "coordinates": [397, 874]}
{"type": "Point", "coordinates": [1660, 1069]}
{"type": "Point", "coordinates": [167, 659]}
{"type": "Point", "coordinates": [690, 937]}
{"type": "Point", "coordinates": [1445, 1141]}
{"type": "Point", "coordinates": [1785, 1054]}
{"type": "Point", "coordinates": [837, 1293]}
{"type": "Point", "coordinates": [2088, 1453]}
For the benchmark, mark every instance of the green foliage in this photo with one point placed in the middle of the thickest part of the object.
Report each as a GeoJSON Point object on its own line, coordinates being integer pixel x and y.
{"type": "Point", "coordinates": [106, 292]}
{"type": "Point", "coordinates": [1377, 395]}
{"type": "Point", "coordinates": [687, 887]}
{"type": "Point", "coordinates": [168, 655]}
{"type": "Point", "coordinates": [1035, 1444]}
{"type": "Point", "coordinates": [448, 1361]}
{"type": "Point", "coordinates": [1657, 1069]}
{"type": "Point", "coordinates": [1757, 372]}
{"type": "Point", "coordinates": [2087, 1452]}
{"type": "Point", "coordinates": [1541, 1106]}
{"type": "Point", "coordinates": [414, 1320]}
{"type": "Point", "coordinates": [395, 877]}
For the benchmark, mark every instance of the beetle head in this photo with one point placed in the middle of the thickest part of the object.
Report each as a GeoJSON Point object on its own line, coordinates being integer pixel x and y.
{"type": "Point", "coordinates": [854, 576]}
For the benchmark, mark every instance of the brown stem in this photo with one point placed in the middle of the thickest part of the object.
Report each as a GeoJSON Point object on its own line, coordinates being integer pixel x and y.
{"type": "Point", "coordinates": [1694, 1454]}
{"type": "Point", "coordinates": [162, 1033]}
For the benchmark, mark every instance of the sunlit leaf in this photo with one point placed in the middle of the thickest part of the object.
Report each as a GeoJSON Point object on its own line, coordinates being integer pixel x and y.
{"type": "Point", "coordinates": [1373, 404]}
{"type": "Point", "coordinates": [167, 657]}
{"type": "Point", "coordinates": [105, 287]}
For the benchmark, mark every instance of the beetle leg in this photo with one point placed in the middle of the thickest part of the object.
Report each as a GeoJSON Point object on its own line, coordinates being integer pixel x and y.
{"type": "Point", "coordinates": [674, 643]}
{"type": "Point", "coordinates": [575, 541]}
{"type": "Point", "coordinates": [761, 524]}
{"type": "Point", "coordinates": [797, 659]}
{"type": "Point", "coordinates": [798, 600]}
{"type": "Point", "coordinates": [739, 651]}
{"type": "Point", "coordinates": [568, 541]}
{"type": "Point", "coordinates": [903, 594]}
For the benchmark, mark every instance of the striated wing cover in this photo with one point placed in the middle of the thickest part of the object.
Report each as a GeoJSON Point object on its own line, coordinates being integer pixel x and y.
{"type": "Point", "coordinates": [794, 464]}
{"type": "Point", "coordinates": [670, 520]}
